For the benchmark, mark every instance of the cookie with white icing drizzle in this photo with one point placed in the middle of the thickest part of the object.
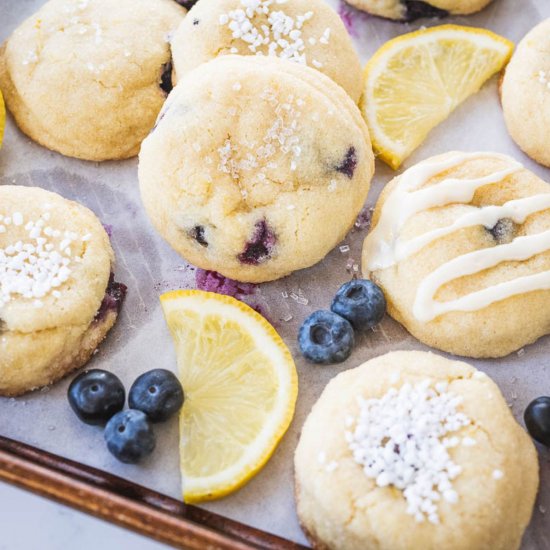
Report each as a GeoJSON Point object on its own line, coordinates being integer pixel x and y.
{"type": "Point", "coordinates": [58, 297]}
{"type": "Point", "coordinates": [413, 451]}
{"type": "Point", "coordinates": [460, 244]}
{"type": "Point", "coordinates": [525, 94]}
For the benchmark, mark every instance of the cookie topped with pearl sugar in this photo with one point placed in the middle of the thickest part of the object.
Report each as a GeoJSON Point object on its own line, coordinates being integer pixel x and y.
{"type": "Point", "coordinates": [414, 451]}
{"type": "Point", "coordinates": [242, 177]}
{"type": "Point", "coordinates": [307, 32]}
{"type": "Point", "coordinates": [55, 260]}
{"type": "Point", "coordinates": [55, 269]}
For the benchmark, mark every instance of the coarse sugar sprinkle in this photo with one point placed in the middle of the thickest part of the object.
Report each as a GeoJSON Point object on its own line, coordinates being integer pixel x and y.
{"type": "Point", "coordinates": [36, 266]}
{"type": "Point", "coordinates": [266, 28]}
{"type": "Point", "coordinates": [402, 439]}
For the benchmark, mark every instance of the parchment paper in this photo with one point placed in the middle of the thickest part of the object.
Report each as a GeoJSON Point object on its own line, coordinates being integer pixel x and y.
{"type": "Point", "coordinates": [140, 340]}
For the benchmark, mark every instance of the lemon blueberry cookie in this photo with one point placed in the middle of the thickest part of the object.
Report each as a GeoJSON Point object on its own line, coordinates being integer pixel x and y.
{"type": "Point", "coordinates": [409, 10]}
{"type": "Point", "coordinates": [88, 78]}
{"type": "Point", "coordinates": [411, 450]}
{"type": "Point", "coordinates": [58, 298]}
{"type": "Point", "coordinates": [460, 245]}
{"type": "Point", "coordinates": [303, 31]}
{"type": "Point", "coordinates": [525, 94]}
{"type": "Point", "coordinates": [257, 167]}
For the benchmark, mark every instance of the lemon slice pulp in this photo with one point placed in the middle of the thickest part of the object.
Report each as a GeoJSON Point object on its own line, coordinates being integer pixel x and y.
{"type": "Point", "coordinates": [240, 387]}
{"type": "Point", "coordinates": [415, 81]}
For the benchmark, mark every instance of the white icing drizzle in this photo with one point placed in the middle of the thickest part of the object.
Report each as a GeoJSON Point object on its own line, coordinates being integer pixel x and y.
{"type": "Point", "coordinates": [384, 247]}
{"type": "Point", "coordinates": [520, 249]}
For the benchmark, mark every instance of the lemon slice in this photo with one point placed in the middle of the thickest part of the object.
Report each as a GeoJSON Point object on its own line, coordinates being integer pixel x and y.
{"type": "Point", "coordinates": [2, 118]}
{"type": "Point", "coordinates": [240, 387]}
{"type": "Point", "coordinates": [415, 81]}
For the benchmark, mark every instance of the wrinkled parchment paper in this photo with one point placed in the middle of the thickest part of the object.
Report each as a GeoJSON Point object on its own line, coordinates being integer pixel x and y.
{"type": "Point", "coordinates": [140, 340]}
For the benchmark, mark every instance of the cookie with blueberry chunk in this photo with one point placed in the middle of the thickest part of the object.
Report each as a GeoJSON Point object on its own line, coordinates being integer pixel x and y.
{"type": "Point", "coordinates": [460, 245]}
{"type": "Point", "coordinates": [257, 167]}
{"type": "Point", "coordinates": [525, 94]}
{"type": "Point", "coordinates": [58, 296]}
{"type": "Point", "coordinates": [308, 32]}
{"type": "Point", "coordinates": [410, 10]}
{"type": "Point", "coordinates": [88, 78]}
{"type": "Point", "coordinates": [413, 451]}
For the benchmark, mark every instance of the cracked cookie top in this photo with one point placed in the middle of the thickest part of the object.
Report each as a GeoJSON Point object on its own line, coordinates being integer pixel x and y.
{"type": "Point", "coordinates": [410, 10]}
{"type": "Point", "coordinates": [307, 32]}
{"type": "Point", "coordinates": [87, 78]}
{"type": "Point", "coordinates": [460, 244]}
{"type": "Point", "coordinates": [257, 167]}
{"type": "Point", "coordinates": [413, 450]}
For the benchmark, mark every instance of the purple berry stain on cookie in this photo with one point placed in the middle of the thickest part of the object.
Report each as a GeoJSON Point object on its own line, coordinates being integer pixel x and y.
{"type": "Point", "coordinates": [112, 301]}
{"type": "Point", "coordinates": [198, 234]}
{"type": "Point", "coordinates": [417, 9]}
{"type": "Point", "coordinates": [348, 165]}
{"type": "Point", "coordinates": [211, 281]}
{"type": "Point", "coordinates": [166, 78]}
{"type": "Point", "coordinates": [503, 231]}
{"type": "Point", "coordinates": [258, 249]}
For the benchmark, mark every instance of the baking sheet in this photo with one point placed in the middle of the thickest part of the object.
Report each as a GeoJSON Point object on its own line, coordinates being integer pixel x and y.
{"type": "Point", "coordinates": [140, 340]}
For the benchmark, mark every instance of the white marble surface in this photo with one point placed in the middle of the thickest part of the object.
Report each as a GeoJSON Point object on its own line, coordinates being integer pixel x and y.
{"type": "Point", "coordinates": [28, 522]}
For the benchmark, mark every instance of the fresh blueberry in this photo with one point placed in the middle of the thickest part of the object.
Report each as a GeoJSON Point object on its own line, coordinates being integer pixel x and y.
{"type": "Point", "coordinates": [537, 419]}
{"type": "Point", "coordinates": [417, 9]}
{"type": "Point", "coordinates": [325, 338]}
{"type": "Point", "coordinates": [158, 393]}
{"type": "Point", "coordinates": [260, 246]}
{"type": "Point", "coordinates": [361, 302]}
{"type": "Point", "coordinates": [129, 436]}
{"type": "Point", "coordinates": [96, 395]}
{"type": "Point", "coordinates": [348, 164]}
